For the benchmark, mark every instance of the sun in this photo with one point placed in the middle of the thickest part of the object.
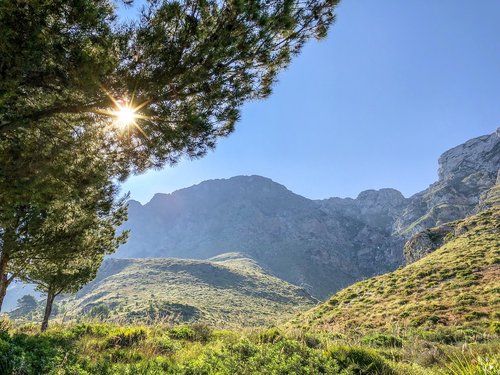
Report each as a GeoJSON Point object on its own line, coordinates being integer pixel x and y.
{"type": "Point", "coordinates": [125, 116]}
{"type": "Point", "coordinates": [125, 113]}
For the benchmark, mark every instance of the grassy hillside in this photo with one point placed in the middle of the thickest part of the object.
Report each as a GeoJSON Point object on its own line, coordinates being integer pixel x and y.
{"type": "Point", "coordinates": [458, 285]}
{"type": "Point", "coordinates": [229, 290]}
{"type": "Point", "coordinates": [437, 316]}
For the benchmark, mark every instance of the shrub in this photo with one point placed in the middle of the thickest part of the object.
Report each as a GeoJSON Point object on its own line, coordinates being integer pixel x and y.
{"type": "Point", "coordinates": [382, 340]}
{"type": "Point", "coordinates": [244, 349]}
{"type": "Point", "coordinates": [126, 337]}
{"type": "Point", "coordinates": [100, 311]}
{"type": "Point", "coordinates": [466, 300]}
{"type": "Point", "coordinates": [475, 315]}
{"type": "Point", "coordinates": [82, 329]}
{"type": "Point", "coordinates": [202, 332]}
{"type": "Point", "coordinates": [271, 335]}
{"type": "Point", "coordinates": [164, 345]}
{"type": "Point", "coordinates": [182, 333]}
{"type": "Point", "coordinates": [450, 335]}
{"type": "Point", "coordinates": [495, 327]}
{"type": "Point", "coordinates": [312, 341]}
{"type": "Point", "coordinates": [195, 332]}
{"type": "Point", "coordinates": [360, 361]}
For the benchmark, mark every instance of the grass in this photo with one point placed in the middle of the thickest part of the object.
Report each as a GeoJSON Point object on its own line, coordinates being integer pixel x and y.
{"type": "Point", "coordinates": [107, 349]}
{"type": "Point", "coordinates": [229, 291]}
{"type": "Point", "coordinates": [456, 288]}
{"type": "Point", "coordinates": [437, 316]}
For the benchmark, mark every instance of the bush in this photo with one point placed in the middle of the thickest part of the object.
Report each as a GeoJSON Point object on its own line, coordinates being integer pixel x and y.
{"type": "Point", "coordinates": [360, 361]}
{"type": "Point", "coordinates": [182, 333]}
{"type": "Point", "coordinates": [100, 311]}
{"type": "Point", "coordinates": [126, 337]}
{"type": "Point", "coordinates": [312, 341]}
{"type": "Point", "coordinates": [271, 336]}
{"type": "Point", "coordinates": [194, 332]}
{"type": "Point", "coordinates": [82, 329]}
{"type": "Point", "coordinates": [28, 355]}
{"type": "Point", "coordinates": [450, 335]}
{"type": "Point", "coordinates": [165, 346]}
{"type": "Point", "coordinates": [495, 327]}
{"type": "Point", "coordinates": [382, 340]}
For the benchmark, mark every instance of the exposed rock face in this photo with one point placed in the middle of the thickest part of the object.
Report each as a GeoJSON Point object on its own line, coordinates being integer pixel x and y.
{"type": "Point", "coordinates": [320, 245]}
{"type": "Point", "coordinates": [426, 242]}
{"type": "Point", "coordinates": [465, 173]}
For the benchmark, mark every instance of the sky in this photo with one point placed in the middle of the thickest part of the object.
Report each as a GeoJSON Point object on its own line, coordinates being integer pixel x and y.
{"type": "Point", "coordinates": [395, 84]}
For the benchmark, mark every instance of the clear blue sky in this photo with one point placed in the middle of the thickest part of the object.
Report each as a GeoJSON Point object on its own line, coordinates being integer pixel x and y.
{"type": "Point", "coordinates": [394, 85]}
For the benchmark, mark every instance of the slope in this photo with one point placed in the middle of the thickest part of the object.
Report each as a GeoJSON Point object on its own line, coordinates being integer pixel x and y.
{"type": "Point", "coordinates": [456, 285]}
{"type": "Point", "coordinates": [229, 291]}
{"type": "Point", "coordinates": [321, 245]}
{"type": "Point", "coordinates": [297, 239]}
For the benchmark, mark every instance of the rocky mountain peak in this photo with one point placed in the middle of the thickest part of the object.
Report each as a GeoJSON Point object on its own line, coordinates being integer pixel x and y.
{"type": "Point", "coordinates": [384, 197]}
{"type": "Point", "coordinates": [321, 245]}
{"type": "Point", "coordinates": [481, 154]}
{"type": "Point", "coordinates": [466, 173]}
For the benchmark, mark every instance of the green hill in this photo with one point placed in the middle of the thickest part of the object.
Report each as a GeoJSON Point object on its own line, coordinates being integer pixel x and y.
{"type": "Point", "coordinates": [228, 290]}
{"type": "Point", "coordinates": [457, 285]}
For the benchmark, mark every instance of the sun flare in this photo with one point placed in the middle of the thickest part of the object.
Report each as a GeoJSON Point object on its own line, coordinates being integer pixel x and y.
{"type": "Point", "coordinates": [125, 116]}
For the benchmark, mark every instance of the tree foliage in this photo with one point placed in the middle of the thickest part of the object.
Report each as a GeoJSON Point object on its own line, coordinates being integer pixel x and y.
{"type": "Point", "coordinates": [194, 62]}
{"type": "Point", "coordinates": [186, 66]}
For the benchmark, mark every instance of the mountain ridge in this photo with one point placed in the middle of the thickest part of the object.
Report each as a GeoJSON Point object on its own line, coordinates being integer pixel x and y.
{"type": "Point", "coordinates": [321, 245]}
{"type": "Point", "coordinates": [455, 284]}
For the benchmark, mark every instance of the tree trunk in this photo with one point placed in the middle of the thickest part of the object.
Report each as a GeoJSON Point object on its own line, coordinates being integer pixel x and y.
{"type": "Point", "coordinates": [4, 277]}
{"type": "Point", "coordinates": [48, 309]}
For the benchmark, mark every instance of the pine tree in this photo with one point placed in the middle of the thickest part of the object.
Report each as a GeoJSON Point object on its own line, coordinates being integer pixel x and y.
{"type": "Point", "coordinates": [182, 71]}
{"type": "Point", "coordinates": [72, 242]}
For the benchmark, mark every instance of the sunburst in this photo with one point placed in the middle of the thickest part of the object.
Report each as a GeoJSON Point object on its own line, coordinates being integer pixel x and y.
{"type": "Point", "coordinates": [125, 113]}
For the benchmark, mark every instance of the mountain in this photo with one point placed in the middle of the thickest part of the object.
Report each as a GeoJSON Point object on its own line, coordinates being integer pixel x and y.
{"type": "Point", "coordinates": [229, 290]}
{"type": "Point", "coordinates": [465, 173]}
{"type": "Point", "coordinates": [312, 244]}
{"type": "Point", "coordinates": [321, 245]}
{"type": "Point", "coordinates": [457, 285]}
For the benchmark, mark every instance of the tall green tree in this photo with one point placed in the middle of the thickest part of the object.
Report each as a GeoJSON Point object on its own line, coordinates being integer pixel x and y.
{"type": "Point", "coordinates": [190, 63]}
{"type": "Point", "coordinates": [39, 172]}
{"type": "Point", "coordinates": [183, 70]}
{"type": "Point", "coordinates": [72, 242]}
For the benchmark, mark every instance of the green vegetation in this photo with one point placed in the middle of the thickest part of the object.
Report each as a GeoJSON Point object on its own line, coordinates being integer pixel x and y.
{"type": "Point", "coordinates": [439, 314]}
{"type": "Point", "coordinates": [224, 292]}
{"type": "Point", "coordinates": [436, 316]}
{"type": "Point", "coordinates": [197, 349]}
{"type": "Point", "coordinates": [452, 291]}
{"type": "Point", "coordinates": [182, 69]}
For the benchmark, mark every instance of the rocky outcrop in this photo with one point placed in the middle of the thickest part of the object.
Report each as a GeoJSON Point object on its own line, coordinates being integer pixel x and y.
{"type": "Point", "coordinates": [466, 172]}
{"type": "Point", "coordinates": [426, 242]}
{"type": "Point", "coordinates": [319, 245]}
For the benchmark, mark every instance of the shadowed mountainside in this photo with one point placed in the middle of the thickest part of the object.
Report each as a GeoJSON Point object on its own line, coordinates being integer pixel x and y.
{"type": "Point", "coordinates": [320, 245]}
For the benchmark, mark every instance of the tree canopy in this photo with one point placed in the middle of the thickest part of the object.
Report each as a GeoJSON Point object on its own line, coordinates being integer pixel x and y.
{"type": "Point", "coordinates": [191, 63]}
{"type": "Point", "coordinates": [70, 70]}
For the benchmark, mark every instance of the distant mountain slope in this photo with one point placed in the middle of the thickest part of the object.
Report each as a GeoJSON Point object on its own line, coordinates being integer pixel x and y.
{"type": "Point", "coordinates": [230, 290]}
{"type": "Point", "coordinates": [300, 240]}
{"type": "Point", "coordinates": [456, 285]}
{"type": "Point", "coordinates": [321, 245]}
